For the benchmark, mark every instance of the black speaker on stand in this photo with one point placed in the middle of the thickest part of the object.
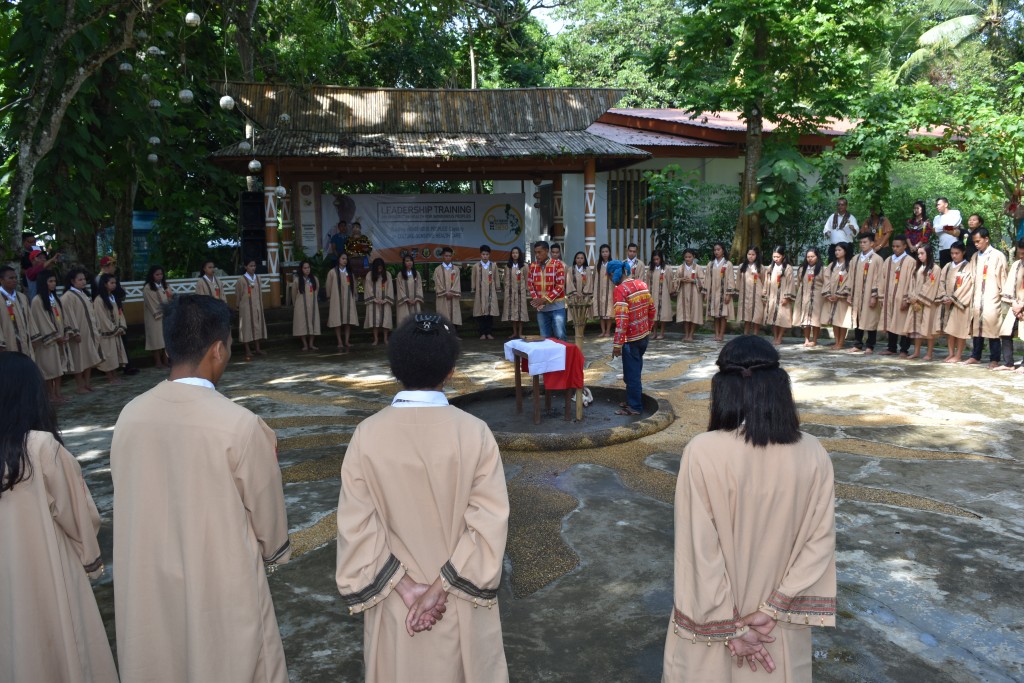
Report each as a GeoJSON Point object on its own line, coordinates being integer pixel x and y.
{"type": "Point", "coordinates": [252, 231]}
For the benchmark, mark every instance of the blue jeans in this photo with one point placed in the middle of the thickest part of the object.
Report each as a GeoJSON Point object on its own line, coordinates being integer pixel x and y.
{"type": "Point", "coordinates": [632, 366]}
{"type": "Point", "coordinates": [552, 323]}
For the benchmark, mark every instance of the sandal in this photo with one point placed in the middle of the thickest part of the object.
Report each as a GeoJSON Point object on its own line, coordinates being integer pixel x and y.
{"type": "Point", "coordinates": [627, 411]}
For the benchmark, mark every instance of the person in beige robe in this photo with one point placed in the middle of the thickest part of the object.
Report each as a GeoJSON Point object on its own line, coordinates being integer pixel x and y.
{"type": "Point", "coordinates": [636, 268]}
{"type": "Point", "coordinates": [252, 322]}
{"type": "Point", "coordinates": [448, 288]}
{"type": "Point", "coordinates": [16, 316]}
{"type": "Point", "coordinates": [52, 631]}
{"type": "Point", "coordinates": [208, 284]}
{"type": "Point", "coordinates": [50, 334]}
{"type": "Point", "coordinates": [809, 284]}
{"type": "Point", "coordinates": [835, 293]}
{"type": "Point", "coordinates": [749, 287]}
{"type": "Point", "coordinates": [341, 302]}
{"type": "Point", "coordinates": [778, 296]}
{"type": "Point", "coordinates": [754, 538]}
{"type": "Point", "coordinates": [422, 522]}
{"type": "Point", "coordinates": [690, 289]}
{"type": "Point", "coordinates": [864, 308]}
{"type": "Point", "coordinates": [989, 266]}
{"type": "Point", "coordinates": [579, 282]}
{"type": "Point", "coordinates": [485, 283]}
{"type": "Point", "coordinates": [720, 281]}
{"type": "Point", "coordinates": [603, 308]}
{"type": "Point", "coordinates": [517, 298]}
{"type": "Point", "coordinates": [379, 296]}
{"type": "Point", "coordinates": [1013, 303]}
{"type": "Point", "coordinates": [306, 308]}
{"type": "Point", "coordinates": [155, 293]}
{"type": "Point", "coordinates": [659, 282]}
{"type": "Point", "coordinates": [957, 295]}
{"type": "Point", "coordinates": [84, 349]}
{"type": "Point", "coordinates": [111, 325]}
{"type": "Point", "coordinates": [198, 513]}
{"type": "Point", "coordinates": [408, 291]}
{"type": "Point", "coordinates": [895, 282]}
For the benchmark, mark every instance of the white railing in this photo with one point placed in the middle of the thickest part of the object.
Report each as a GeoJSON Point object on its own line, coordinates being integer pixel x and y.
{"type": "Point", "coordinates": [133, 290]}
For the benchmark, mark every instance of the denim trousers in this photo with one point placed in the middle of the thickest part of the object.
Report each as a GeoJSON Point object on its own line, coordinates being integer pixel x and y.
{"type": "Point", "coordinates": [552, 323]}
{"type": "Point", "coordinates": [632, 366]}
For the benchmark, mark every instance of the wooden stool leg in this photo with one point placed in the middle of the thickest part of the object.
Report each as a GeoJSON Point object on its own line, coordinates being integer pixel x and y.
{"type": "Point", "coordinates": [579, 405]}
{"type": "Point", "coordinates": [547, 399]}
{"type": "Point", "coordinates": [536, 399]}
{"type": "Point", "coordinates": [568, 408]}
{"type": "Point", "coordinates": [519, 387]}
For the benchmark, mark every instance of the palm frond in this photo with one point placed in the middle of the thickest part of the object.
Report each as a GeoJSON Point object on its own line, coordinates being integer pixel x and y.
{"type": "Point", "coordinates": [915, 61]}
{"type": "Point", "coordinates": [949, 8]}
{"type": "Point", "coordinates": [951, 32]}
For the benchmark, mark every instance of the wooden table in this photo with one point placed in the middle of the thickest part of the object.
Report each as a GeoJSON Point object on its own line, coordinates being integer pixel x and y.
{"type": "Point", "coordinates": [519, 356]}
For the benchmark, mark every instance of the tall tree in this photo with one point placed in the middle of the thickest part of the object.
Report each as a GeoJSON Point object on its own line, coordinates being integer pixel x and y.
{"type": "Point", "coordinates": [793, 63]}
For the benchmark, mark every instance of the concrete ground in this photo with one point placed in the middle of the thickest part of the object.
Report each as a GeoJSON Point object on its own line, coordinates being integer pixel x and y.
{"type": "Point", "coordinates": [929, 516]}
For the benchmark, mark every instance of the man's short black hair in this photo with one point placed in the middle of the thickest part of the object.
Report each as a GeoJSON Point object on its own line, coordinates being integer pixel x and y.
{"type": "Point", "coordinates": [942, 199]}
{"type": "Point", "coordinates": [447, 250]}
{"type": "Point", "coordinates": [27, 236]}
{"type": "Point", "coordinates": [4, 269]}
{"type": "Point", "coordinates": [423, 351]}
{"type": "Point", "coordinates": [632, 245]}
{"type": "Point", "coordinates": [541, 243]}
{"type": "Point", "coordinates": [485, 247]}
{"type": "Point", "coordinates": [192, 324]}
{"type": "Point", "coordinates": [899, 238]}
{"type": "Point", "coordinates": [556, 245]}
{"type": "Point", "coordinates": [866, 236]}
{"type": "Point", "coordinates": [981, 232]}
{"type": "Point", "coordinates": [959, 246]}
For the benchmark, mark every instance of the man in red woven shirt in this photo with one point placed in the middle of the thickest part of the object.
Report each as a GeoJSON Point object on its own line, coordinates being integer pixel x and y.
{"type": "Point", "coordinates": [546, 286]}
{"type": "Point", "coordinates": [634, 318]}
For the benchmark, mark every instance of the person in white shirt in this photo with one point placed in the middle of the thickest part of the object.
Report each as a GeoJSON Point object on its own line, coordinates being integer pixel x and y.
{"type": "Point", "coordinates": [948, 226]}
{"type": "Point", "coordinates": [840, 227]}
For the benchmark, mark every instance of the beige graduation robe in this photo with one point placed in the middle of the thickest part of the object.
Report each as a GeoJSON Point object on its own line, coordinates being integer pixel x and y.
{"type": "Point", "coordinates": [198, 510]}
{"type": "Point", "coordinates": [749, 290]}
{"type": "Point", "coordinates": [52, 632]}
{"type": "Point", "coordinates": [423, 492]}
{"type": "Point", "coordinates": [637, 267]}
{"type": "Point", "coordinates": [448, 287]}
{"type": "Point", "coordinates": [603, 289]}
{"type": "Point", "coordinates": [15, 323]}
{"type": "Point", "coordinates": [517, 297]}
{"type": "Point", "coordinates": [306, 311]}
{"type": "Point", "coordinates": [924, 319]}
{"type": "Point", "coordinates": [50, 329]}
{"type": "Point", "coordinates": [341, 298]}
{"type": "Point", "coordinates": [957, 285]}
{"type": "Point", "coordinates": [581, 283]}
{"type": "Point", "coordinates": [153, 315]}
{"type": "Point", "coordinates": [380, 299]}
{"type": "Point", "coordinates": [252, 322]}
{"type": "Point", "coordinates": [808, 304]}
{"type": "Point", "coordinates": [779, 296]}
{"type": "Point", "coordinates": [111, 325]}
{"type": "Point", "coordinates": [837, 283]}
{"type": "Point", "coordinates": [989, 276]}
{"type": "Point", "coordinates": [408, 296]}
{"type": "Point", "coordinates": [211, 287]}
{"type": "Point", "coordinates": [689, 285]}
{"type": "Point", "coordinates": [659, 282]}
{"type": "Point", "coordinates": [866, 281]}
{"type": "Point", "coordinates": [720, 282]}
{"type": "Point", "coordinates": [895, 282]}
{"type": "Point", "coordinates": [1013, 294]}
{"type": "Point", "coordinates": [735, 554]}
{"type": "Point", "coordinates": [485, 284]}
{"type": "Point", "coordinates": [84, 348]}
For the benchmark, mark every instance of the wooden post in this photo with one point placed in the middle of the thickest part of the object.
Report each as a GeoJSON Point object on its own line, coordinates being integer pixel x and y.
{"type": "Point", "coordinates": [270, 225]}
{"type": "Point", "coordinates": [558, 219]}
{"type": "Point", "coordinates": [287, 228]}
{"type": "Point", "coordinates": [590, 209]}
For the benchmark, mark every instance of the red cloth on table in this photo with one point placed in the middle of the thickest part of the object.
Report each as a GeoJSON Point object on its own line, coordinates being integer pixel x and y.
{"type": "Point", "coordinates": [571, 377]}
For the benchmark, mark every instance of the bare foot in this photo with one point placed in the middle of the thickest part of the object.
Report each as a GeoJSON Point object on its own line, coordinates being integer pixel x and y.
{"type": "Point", "coordinates": [855, 350]}
{"type": "Point", "coordinates": [1002, 368]}
{"type": "Point", "coordinates": [903, 354]}
{"type": "Point", "coordinates": [928, 357]}
{"type": "Point", "coordinates": [970, 361]}
{"type": "Point", "coordinates": [868, 352]}
{"type": "Point", "coordinates": [1020, 370]}
{"type": "Point", "coordinates": [951, 359]}
{"type": "Point", "coordinates": [314, 348]}
{"type": "Point", "coordinates": [812, 344]}
{"type": "Point", "coordinates": [993, 365]}
{"type": "Point", "coordinates": [260, 352]}
{"type": "Point", "coordinates": [887, 352]}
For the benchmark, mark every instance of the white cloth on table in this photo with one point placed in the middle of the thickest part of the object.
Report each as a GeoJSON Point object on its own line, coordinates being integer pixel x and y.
{"type": "Point", "coordinates": [543, 356]}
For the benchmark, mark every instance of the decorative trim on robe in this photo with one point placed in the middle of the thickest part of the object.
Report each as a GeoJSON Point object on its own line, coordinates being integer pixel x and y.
{"type": "Point", "coordinates": [280, 551]}
{"type": "Point", "coordinates": [94, 565]}
{"type": "Point", "coordinates": [486, 597]}
{"type": "Point", "coordinates": [381, 587]}
{"type": "Point", "coordinates": [711, 631]}
{"type": "Point", "coordinates": [803, 607]}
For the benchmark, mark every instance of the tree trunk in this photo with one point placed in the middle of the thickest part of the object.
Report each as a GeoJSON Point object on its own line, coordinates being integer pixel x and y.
{"type": "Point", "coordinates": [748, 227]}
{"type": "Point", "coordinates": [124, 248]}
{"type": "Point", "coordinates": [472, 54]}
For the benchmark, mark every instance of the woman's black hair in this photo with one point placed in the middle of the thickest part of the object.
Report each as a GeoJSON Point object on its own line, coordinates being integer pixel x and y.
{"type": "Point", "coordinates": [150, 275]}
{"type": "Point", "coordinates": [661, 255]}
{"type": "Point", "coordinates": [521, 261]}
{"type": "Point", "coordinates": [725, 250]}
{"type": "Point", "coordinates": [423, 351]}
{"type": "Point", "coordinates": [689, 250]}
{"type": "Point", "coordinates": [69, 279]}
{"type": "Point", "coordinates": [601, 261]}
{"type": "Point", "coordinates": [847, 253]}
{"type": "Point", "coordinates": [981, 219]}
{"type": "Point", "coordinates": [377, 269]}
{"type": "Point", "coordinates": [751, 393]}
{"type": "Point", "coordinates": [756, 250]}
{"type": "Point", "coordinates": [101, 291]}
{"type": "Point", "coordinates": [26, 407]}
{"type": "Point", "coordinates": [930, 259]}
{"type": "Point", "coordinates": [779, 249]}
{"type": "Point", "coordinates": [405, 274]}
{"type": "Point", "coordinates": [580, 253]}
{"type": "Point", "coordinates": [817, 262]}
{"type": "Point", "coordinates": [44, 290]}
{"type": "Point", "coordinates": [302, 278]}
{"type": "Point", "coordinates": [924, 210]}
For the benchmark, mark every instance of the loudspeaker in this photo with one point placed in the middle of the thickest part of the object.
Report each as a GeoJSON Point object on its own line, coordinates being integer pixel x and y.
{"type": "Point", "coordinates": [250, 211]}
{"type": "Point", "coordinates": [254, 246]}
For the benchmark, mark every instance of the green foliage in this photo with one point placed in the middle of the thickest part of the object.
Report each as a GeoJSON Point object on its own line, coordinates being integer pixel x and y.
{"type": "Point", "coordinates": [689, 213]}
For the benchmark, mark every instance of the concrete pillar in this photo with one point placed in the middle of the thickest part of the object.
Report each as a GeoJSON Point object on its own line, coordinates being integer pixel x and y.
{"type": "Point", "coordinates": [590, 209]}
{"type": "Point", "coordinates": [287, 227]}
{"type": "Point", "coordinates": [270, 225]}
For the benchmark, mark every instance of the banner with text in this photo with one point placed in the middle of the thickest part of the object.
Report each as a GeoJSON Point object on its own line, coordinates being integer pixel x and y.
{"type": "Point", "coordinates": [423, 224]}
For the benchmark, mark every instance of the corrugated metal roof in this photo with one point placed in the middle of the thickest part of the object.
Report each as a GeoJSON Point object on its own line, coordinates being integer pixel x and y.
{"type": "Point", "coordinates": [646, 138]}
{"type": "Point", "coordinates": [286, 143]}
{"type": "Point", "coordinates": [329, 109]}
